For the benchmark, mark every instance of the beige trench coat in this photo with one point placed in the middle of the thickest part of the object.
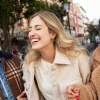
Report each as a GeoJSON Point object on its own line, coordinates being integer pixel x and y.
{"type": "Point", "coordinates": [68, 72]}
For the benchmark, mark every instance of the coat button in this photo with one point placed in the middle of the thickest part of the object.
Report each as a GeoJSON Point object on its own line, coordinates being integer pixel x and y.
{"type": "Point", "coordinates": [53, 69]}
{"type": "Point", "coordinates": [54, 85]}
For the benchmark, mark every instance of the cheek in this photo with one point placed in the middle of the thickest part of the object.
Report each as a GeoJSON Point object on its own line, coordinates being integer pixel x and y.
{"type": "Point", "coordinates": [46, 37]}
{"type": "Point", "coordinates": [45, 40]}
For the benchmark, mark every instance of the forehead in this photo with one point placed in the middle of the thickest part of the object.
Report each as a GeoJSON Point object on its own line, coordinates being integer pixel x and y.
{"type": "Point", "coordinates": [36, 21]}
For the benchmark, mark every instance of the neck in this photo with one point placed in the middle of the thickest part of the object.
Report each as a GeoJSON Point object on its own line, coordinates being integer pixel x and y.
{"type": "Point", "coordinates": [49, 54]}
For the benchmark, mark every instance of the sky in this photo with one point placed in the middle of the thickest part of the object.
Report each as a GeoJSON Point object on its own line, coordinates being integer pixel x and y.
{"type": "Point", "coordinates": [92, 8]}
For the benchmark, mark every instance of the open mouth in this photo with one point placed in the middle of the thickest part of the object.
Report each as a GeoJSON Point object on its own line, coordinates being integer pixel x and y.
{"type": "Point", "coordinates": [34, 41]}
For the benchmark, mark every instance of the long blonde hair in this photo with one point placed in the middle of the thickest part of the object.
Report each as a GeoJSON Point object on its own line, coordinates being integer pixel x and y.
{"type": "Point", "coordinates": [63, 41]}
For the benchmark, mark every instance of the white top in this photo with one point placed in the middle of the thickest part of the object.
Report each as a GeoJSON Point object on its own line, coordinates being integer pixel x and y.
{"type": "Point", "coordinates": [43, 75]}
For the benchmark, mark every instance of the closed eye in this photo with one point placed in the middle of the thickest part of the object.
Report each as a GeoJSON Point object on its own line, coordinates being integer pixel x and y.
{"type": "Point", "coordinates": [38, 28]}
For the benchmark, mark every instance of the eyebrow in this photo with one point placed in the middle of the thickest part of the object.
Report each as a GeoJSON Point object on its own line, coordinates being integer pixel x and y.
{"type": "Point", "coordinates": [35, 26]}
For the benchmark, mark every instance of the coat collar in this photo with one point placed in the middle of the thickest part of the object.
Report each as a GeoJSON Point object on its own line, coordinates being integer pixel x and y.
{"type": "Point", "coordinates": [61, 58]}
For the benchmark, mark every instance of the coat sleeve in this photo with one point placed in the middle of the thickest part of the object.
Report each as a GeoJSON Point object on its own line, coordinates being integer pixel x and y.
{"type": "Point", "coordinates": [26, 77]}
{"type": "Point", "coordinates": [84, 67]}
{"type": "Point", "coordinates": [29, 83]}
{"type": "Point", "coordinates": [87, 92]}
{"type": "Point", "coordinates": [91, 91]}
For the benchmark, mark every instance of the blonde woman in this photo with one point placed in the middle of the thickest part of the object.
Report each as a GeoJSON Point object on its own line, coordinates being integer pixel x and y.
{"type": "Point", "coordinates": [54, 61]}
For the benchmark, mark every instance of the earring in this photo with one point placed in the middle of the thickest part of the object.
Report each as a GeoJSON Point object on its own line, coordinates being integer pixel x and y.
{"type": "Point", "coordinates": [53, 37]}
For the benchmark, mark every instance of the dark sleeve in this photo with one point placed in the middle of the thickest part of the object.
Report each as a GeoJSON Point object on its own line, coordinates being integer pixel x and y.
{"type": "Point", "coordinates": [5, 55]}
{"type": "Point", "coordinates": [15, 99]}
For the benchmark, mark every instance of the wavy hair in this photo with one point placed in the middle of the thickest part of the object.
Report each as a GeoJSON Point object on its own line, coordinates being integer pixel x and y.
{"type": "Point", "coordinates": [63, 40]}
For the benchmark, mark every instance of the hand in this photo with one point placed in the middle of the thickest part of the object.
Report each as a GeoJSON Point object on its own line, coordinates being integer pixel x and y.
{"type": "Point", "coordinates": [20, 97]}
{"type": "Point", "coordinates": [72, 92]}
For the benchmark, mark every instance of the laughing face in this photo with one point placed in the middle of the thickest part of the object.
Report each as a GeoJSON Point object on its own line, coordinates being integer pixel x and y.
{"type": "Point", "coordinates": [39, 35]}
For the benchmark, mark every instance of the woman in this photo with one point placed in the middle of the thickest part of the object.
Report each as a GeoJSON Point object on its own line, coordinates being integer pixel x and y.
{"type": "Point", "coordinates": [54, 60]}
{"type": "Point", "coordinates": [90, 91]}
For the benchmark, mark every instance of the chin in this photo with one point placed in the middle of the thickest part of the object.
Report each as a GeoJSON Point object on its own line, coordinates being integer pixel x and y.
{"type": "Point", "coordinates": [36, 48]}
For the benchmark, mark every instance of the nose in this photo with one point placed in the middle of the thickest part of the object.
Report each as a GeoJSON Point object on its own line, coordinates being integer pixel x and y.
{"type": "Point", "coordinates": [31, 34]}
{"type": "Point", "coordinates": [31, 37]}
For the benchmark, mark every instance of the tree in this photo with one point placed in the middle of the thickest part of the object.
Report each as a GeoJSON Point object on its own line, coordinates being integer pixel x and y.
{"type": "Point", "coordinates": [9, 14]}
{"type": "Point", "coordinates": [64, 1]}
{"type": "Point", "coordinates": [10, 11]}
{"type": "Point", "coordinates": [33, 7]}
{"type": "Point", "coordinates": [92, 29]}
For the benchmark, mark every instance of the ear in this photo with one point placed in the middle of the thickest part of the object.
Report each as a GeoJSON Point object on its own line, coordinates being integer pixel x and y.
{"type": "Point", "coordinates": [53, 35]}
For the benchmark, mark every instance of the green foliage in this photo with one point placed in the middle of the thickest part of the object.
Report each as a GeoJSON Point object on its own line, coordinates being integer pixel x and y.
{"type": "Point", "coordinates": [59, 11]}
{"type": "Point", "coordinates": [10, 9]}
{"type": "Point", "coordinates": [64, 1]}
{"type": "Point", "coordinates": [10, 12]}
{"type": "Point", "coordinates": [34, 7]}
{"type": "Point", "coordinates": [92, 29]}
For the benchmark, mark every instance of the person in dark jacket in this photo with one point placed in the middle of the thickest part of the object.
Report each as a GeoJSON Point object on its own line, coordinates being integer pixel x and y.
{"type": "Point", "coordinates": [11, 84]}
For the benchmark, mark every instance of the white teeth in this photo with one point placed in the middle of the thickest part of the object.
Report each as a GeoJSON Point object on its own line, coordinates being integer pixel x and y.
{"type": "Point", "coordinates": [35, 40]}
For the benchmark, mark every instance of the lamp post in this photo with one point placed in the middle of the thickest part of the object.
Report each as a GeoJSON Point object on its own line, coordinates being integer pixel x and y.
{"type": "Point", "coordinates": [99, 27]}
{"type": "Point", "coordinates": [67, 8]}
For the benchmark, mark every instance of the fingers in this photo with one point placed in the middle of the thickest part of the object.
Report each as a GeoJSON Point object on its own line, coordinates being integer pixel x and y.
{"type": "Point", "coordinates": [72, 92]}
{"type": "Point", "coordinates": [69, 90]}
{"type": "Point", "coordinates": [76, 88]}
{"type": "Point", "coordinates": [73, 96]}
{"type": "Point", "coordinates": [20, 97]}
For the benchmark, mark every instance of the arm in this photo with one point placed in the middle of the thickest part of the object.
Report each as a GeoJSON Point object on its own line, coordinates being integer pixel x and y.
{"type": "Point", "coordinates": [84, 67]}
{"type": "Point", "coordinates": [91, 91]}
{"type": "Point", "coordinates": [85, 72]}
{"type": "Point", "coordinates": [81, 92]}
